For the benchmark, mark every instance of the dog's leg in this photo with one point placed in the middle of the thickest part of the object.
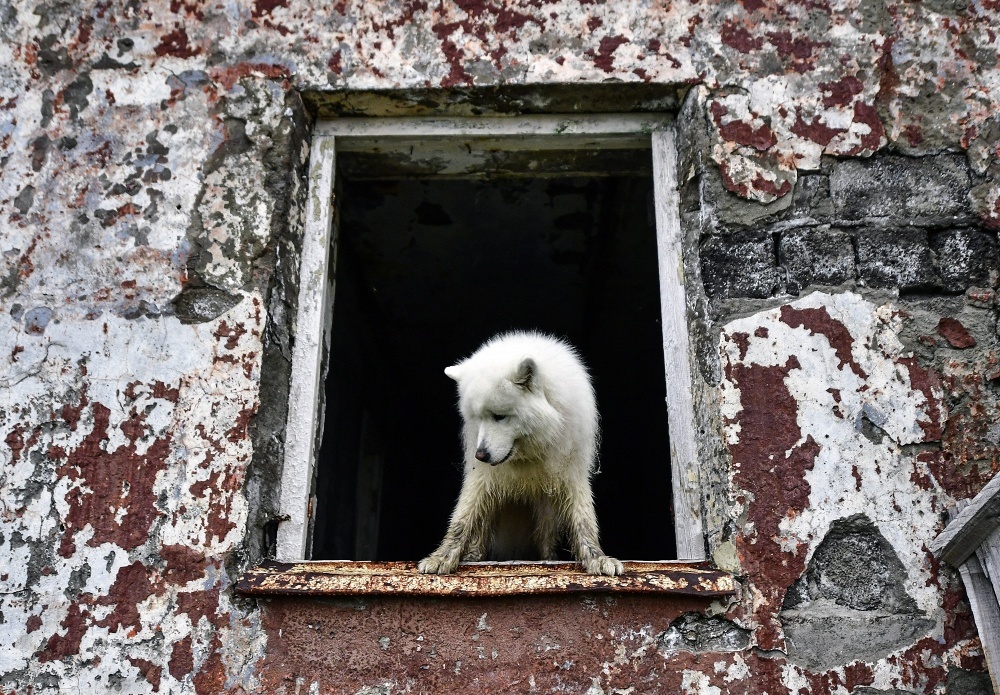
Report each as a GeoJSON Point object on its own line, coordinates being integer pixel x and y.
{"type": "Point", "coordinates": [468, 523]}
{"type": "Point", "coordinates": [581, 520]}
{"type": "Point", "coordinates": [547, 526]}
{"type": "Point", "coordinates": [478, 543]}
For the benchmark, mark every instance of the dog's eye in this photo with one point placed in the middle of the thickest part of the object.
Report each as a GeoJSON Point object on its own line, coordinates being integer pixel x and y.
{"type": "Point", "coordinates": [497, 417]}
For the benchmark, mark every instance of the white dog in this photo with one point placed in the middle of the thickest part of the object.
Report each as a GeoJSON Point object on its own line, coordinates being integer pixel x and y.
{"type": "Point", "coordinates": [530, 437]}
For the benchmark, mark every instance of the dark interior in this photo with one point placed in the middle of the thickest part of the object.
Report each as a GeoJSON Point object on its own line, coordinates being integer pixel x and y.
{"type": "Point", "coordinates": [426, 270]}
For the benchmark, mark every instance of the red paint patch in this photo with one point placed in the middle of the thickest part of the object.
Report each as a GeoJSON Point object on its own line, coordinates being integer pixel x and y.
{"type": "Point", "coordinates": [334, 64]}
{"type": "Point", "coordinates": [913, 134]}
{"type": "Point", "coordinates": [15, 441]}
{"type": "Point", "coordinates": [955, 333]}
{"type": "Point", "coordinates": [766, 185]}
{"type": "Point", "coordinates": [211, 676]}
{"type": "Point", "coordinates": [770, 465]}
{"type": "Point", "coordinates": [229, 75]}
{"type": "Point", "coordinates": [176, 44]}
{"type": "Point", "coordinates": [742, 341]}
{"type": "Point", "coordinates": [799, 50]}
{"type": "Point", "coordinates": [815, 130]}
{"type": "Point", "coordinates": [857, 477]}
{"type": "Point", "coordinates": [239, 430]}
{"type": "Point", "coordinates": [150, 671]}
{"type": "Point", "coordinates": [927, 382]}
{"type": "Point", "coordinates": [735, 35]}
{"type": "Point", "coordinates": [841, 92]}
{"type": "Point", "coordinates": [866, 114]}
{"type": "Point", "coordinates": [819, 322]}
{"type": "Point", "coordinates": [604, 57]}
{"type": "Point", "coordinates": [266, 7]}
{"type": "Point", "coordinates": [132, 586]}
{"type": "Point", "coordinates": [759, 138]}
{"type": "Point", "coordinates": [232, 334]}
{"type": "Point", "coordinates": [112, 484]}
{"type": "Point", "coordinates": [58, 647]}
{"type": "Point", "coordinates": [181, 659]}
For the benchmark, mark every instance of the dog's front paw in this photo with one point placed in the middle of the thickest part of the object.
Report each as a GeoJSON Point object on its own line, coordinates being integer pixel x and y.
{"type": "Point", "coordinates": [437, 564]}
{"type": "Point", "coordinates": [602, 564]}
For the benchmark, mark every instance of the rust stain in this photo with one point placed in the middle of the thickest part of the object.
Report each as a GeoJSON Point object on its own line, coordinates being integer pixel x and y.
{"type": "Point", "coordinates": [479, 579]}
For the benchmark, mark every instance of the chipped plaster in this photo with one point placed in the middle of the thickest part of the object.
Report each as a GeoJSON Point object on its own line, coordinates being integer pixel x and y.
{"type": "Point", "coordinates": [151, 150]}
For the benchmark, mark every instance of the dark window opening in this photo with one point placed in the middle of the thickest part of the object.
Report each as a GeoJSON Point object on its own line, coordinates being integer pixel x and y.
{"type": "Point", "coordinates": [427, 269]}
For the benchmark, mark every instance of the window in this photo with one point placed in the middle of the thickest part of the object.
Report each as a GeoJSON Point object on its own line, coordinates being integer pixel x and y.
{"type": "Point", "coordinates": [442, 233]}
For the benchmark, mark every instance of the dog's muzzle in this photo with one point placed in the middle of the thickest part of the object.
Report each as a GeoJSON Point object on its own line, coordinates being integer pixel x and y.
{"type": "Point", "coordinates": [483, 455]}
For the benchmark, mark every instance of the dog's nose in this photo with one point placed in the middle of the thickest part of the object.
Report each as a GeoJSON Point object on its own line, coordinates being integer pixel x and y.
{"type": "Point", "coordinates": [483, 455]}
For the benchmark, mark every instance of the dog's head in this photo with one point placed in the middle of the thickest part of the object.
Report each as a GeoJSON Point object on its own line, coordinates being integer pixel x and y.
{"type": "Point", "coordinates": [501, 408]}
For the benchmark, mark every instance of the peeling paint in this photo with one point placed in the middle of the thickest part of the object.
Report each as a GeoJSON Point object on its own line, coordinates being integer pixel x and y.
{"type": "Point", "coordinates": [152, 188]}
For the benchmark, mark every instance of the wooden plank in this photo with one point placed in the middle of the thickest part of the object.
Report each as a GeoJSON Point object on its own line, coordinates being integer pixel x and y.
{"type": "Point", "coordinates": [685, 482]}
{"type": "Point", "coordinates": [971, 527]}
{"type": "Point", "coordinates": [983, 600]}
{"type": "Point", "coordinates": [562, 125]}
{"type": "Point", "coordinates": [480, 579]}
{"type": "Point", "coordinates": [454, 160]}
{"type": "Point", "coordinates": [302, 428]}
{"type": "Point", "coordinates": [452, 145]}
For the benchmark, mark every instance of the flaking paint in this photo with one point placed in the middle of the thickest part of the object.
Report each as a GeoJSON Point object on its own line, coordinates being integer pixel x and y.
{"type": "Point", "coordinates": [135, 164]}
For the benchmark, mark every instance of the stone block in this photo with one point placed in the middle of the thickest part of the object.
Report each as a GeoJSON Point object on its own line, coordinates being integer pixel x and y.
{"type": "Point", "coordinates": [966, 258]}
{"type": "Point", "coordinates": [816, 257]}
{"type": "Point", "coordinates": [694, 632]}
{"type": "Point", "coordinates": [854, 566]}
{"type": "Point", "coordinates": [825, 636]}
{"type": "Point", "coordinates": [896, 258]}
{"type": "Point", "coordinates": [740, 265]}
{"type": "Point", "coordinates": [811, 197]}
{"type": "Point", "coordinates": [731, 211]}
{"type": "Point", "coordinates": [925, 191]}
{"type": "Point", "coordinates": [851, 603]}
{"type": "Point", "coordinates": [963, 682]}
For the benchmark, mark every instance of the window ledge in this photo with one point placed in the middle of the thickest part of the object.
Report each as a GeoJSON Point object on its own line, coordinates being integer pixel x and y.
{"type": "Point", "coordinates": [347, 578]}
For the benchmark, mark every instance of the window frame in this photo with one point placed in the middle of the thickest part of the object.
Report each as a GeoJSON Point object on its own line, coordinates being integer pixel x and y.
{"type": "Point", "coordinates": [303, 429]}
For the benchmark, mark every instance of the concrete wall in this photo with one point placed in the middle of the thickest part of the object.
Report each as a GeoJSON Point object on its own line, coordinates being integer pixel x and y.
{"type": "Point", "coordinates": [152, 192]}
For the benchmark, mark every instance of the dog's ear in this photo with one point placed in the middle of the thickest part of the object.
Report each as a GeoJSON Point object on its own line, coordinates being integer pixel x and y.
{"type": "Point", "coordinates": [452, 372]}
{"type": "Point", "coordinates": [525, 375]}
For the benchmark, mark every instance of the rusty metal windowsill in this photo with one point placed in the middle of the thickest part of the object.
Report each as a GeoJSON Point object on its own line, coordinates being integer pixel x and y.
{"type": "Point", "coordinates": [348, 578]}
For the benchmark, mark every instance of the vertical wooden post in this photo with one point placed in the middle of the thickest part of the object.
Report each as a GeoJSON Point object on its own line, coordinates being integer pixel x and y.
{"type": "Point", "coordinates": [302, 429]}
{"type": "Point", "coordinates": [686, 487]}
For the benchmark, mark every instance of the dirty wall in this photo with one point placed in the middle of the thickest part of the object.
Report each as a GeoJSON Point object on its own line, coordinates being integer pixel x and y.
{"type": "Point", "coordinates": [841, 200]}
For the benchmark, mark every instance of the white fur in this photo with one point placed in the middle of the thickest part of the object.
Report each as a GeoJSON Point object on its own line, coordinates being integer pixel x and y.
{"type": "Point", "coordinates": [530, 415]}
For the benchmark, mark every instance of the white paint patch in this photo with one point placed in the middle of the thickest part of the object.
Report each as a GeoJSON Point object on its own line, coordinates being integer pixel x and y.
{"type": "Point", "coordinates": [696, 683]}
{"type": "Point", "coordinates": [851, 473]}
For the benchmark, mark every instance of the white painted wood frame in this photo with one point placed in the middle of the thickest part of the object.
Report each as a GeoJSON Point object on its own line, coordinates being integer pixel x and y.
{"type": "Point", "coordinates": [685, 479]}
{"type": "Point", "coordinates": [626, 131]}
{"type": "Point", "coordinates": [304, 419]}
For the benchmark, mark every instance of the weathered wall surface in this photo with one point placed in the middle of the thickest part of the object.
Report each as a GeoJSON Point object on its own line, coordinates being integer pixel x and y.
{"type": "Point", "coordinates": [150, 196]}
